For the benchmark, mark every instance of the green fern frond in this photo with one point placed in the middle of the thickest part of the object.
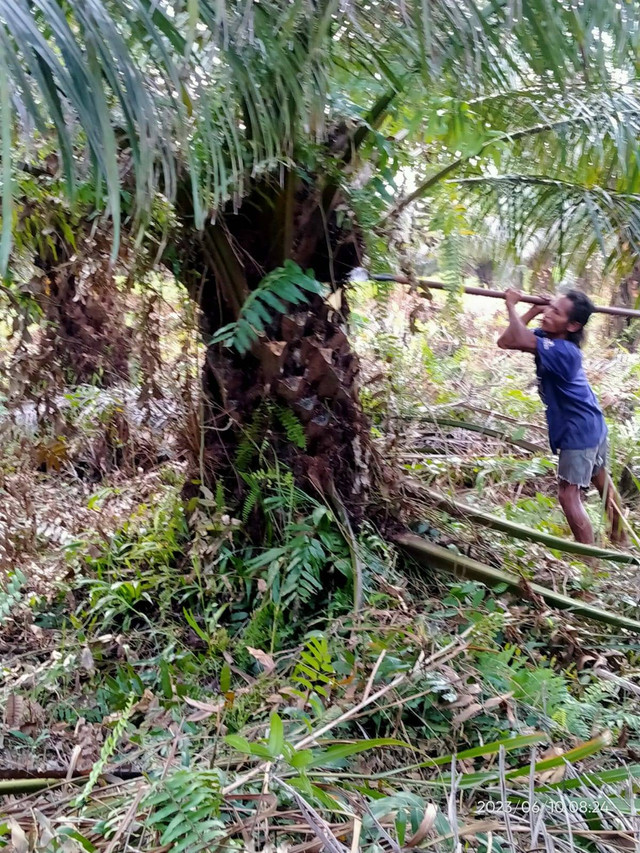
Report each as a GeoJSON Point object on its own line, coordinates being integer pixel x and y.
{"type": "Point", "coordinates": [12, 595]}
{"type": "Point", "coordinates": [315, 668]}
{"type": "Point", "coordinates": [252, 435]}
{"type": "Point", "coordinates": [185, 810]}
{"type": "Point", "coordinates": [255, 490]}
{"type": "Point", "coordinates": [560, 718]}
{"type": "Point", "coordinates": [108, 748]}
{"type": "Point", "coordinates": [280, 484]}
{"type": "Point", "coordinates": [452, 263]}
{"type": "Point", "coordinates": [597, 692]}
{"type": "Point", "coordinates": [220, 499]}
{"type": "Point", "coordinates": [286, 285]}
{"type": "Point", "coordinates": [292, 427]}
{"type": "Point", "coordinates": [631, 721]}
{"type": "Point", "coordinates": [300, 581]}
{"type": "Point", "coordinates": [246, 451]}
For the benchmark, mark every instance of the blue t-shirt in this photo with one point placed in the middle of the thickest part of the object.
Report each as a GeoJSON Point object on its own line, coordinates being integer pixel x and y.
{"type": "Point", "coordinates": [574, 417]}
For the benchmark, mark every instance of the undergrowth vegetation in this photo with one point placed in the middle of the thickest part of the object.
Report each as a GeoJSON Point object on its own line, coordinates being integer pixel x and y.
{"type": "Point", "coordinates": [179, 674]}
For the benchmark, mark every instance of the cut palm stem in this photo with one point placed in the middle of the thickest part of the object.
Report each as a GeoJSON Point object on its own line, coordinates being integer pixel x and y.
{"type": "Point", "coordinates": [427, 554]}
{"type": "Point", "coordinates": [519, 531]}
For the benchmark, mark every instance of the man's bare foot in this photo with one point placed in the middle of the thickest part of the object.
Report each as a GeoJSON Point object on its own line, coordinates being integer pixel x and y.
{"type": "Point", "coordinates": [619, 538]}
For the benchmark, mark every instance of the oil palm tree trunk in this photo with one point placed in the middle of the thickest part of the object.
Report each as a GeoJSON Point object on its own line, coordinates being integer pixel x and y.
{"type": "Point", "coordinates": [303, 371]}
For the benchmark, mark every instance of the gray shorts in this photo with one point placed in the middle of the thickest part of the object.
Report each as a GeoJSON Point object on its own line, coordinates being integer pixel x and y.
{"type": "Point", "coordinates": [578, 467]}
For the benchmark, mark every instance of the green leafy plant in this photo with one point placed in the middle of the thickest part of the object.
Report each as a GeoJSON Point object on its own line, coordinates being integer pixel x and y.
{"type": "Point", "coordinates": [315, 669]}
{"type": "Point", "coordinates": [253, 436]}
{"type": "Point", "coordinates": [185, 809]}
{"type": "Point", "coordinates": [107, 751]}
{"type": "Point", "coordinates": [546, 696]}
{"type": "Point", "coordinates": [297, 567]}
{"type": "Point", "coordinates": [274, 488]}
{"type": "Point", "coordinates": [133, 573]}
{"type": "Point", "coordinates": [12, 594]}
{"type": "Point", "coordinates": [276, 745]}
{"type": "Point", "coordinates": [292, 427]}
{"type": "Point", "coordinates": [285, 285]}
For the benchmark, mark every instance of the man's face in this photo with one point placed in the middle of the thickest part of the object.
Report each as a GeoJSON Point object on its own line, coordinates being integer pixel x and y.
{"type": "Point", "coordinates": [555, 319]}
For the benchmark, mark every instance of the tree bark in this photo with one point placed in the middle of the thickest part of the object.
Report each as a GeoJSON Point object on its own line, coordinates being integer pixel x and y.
{"type": "Point", "coordinates": [298, 386]}
{"type": "Point", "coordinates": [84, 337]}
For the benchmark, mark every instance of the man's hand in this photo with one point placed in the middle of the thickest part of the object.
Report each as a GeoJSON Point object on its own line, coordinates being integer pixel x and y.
{"type": "Point", "coordinates": [539, 309]}
{"type": "Point", "coordinates": [516, 335]}
{"type": "Point", "coordinates": [512, 297]}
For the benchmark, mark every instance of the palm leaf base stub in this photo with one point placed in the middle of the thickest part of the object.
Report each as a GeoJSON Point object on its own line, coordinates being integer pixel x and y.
{"type": "Point", "coordinates": [290, 401]}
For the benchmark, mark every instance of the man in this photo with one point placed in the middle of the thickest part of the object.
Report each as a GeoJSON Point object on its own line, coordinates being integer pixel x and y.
{"type": "Point", "coordinates": [577, 429]}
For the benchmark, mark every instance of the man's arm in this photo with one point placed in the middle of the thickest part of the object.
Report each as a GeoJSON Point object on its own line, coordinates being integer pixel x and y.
{"type": "Point", "coordinates": [516, 335]}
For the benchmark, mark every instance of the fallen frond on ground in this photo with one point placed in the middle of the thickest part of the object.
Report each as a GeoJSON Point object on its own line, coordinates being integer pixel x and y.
{"type": "Point", "coordinates": [429, 555]}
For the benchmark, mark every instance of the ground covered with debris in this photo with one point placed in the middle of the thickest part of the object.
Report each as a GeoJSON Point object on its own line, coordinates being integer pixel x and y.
{"type": "Point", "coordinates": [169, 685]}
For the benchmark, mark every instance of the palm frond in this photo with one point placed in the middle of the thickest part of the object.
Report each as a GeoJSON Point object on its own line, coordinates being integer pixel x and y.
{"type": "Point", "coordinates": [223, 90]}
{"type": "Point", "coordinates": [569, 221]}
{"type": "Point", "coordinates": [542, 167]}
{"type": "Point", "coordinates": [282, 286]}
{"type": "Point", "coordinates": [573, 132]}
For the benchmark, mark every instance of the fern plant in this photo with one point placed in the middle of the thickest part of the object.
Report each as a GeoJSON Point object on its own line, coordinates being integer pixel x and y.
{"type": "Point", "coordinates": [185, 809]}
{"type": "Point", "coordinates": [12, 595]}
{"type": "Point", "coordinates": [292, 427]}
{"type": "Point", "coordinates": [284, 493]}
{"type": "Point", "coordinates": [299, 575]}
{"type": "Point", "coordinates": [546, 695]}
{"type": "Point", "coordinates": [314, 670]}
{"type": "Point", "coordinates": [601, 707]}
{"type": "Point", "coordinates": [286, 284]}
{"type": "Point", "coordinates": [254, 481]}
{"type": "Point", "coordinates": [298, 567]}
{"type": "Point", "coordinates": [294, 568]}
{"type": "Point", "coordinates": [255, 439]}
{"type": "Point", "coordinates": [253, 434]}
{"type": "Point", "coordinates": [108, 748]}
{"type": "Point", "coordinates": [452, 259]}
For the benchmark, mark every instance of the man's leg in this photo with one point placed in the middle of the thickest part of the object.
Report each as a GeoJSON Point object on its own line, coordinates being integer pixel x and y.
{"type": "Point", "coordinates": [604, 484]}
{"type": "Point", "coordinates": [571, 503]}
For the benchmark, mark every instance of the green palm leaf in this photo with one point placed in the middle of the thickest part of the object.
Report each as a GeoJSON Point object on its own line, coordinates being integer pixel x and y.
{"type": "Point", "coordinates": [221, 91]}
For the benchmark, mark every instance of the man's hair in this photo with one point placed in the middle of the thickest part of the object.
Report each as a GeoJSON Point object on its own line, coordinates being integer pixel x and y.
{"type": "Point", "coordinates": [581, 310]}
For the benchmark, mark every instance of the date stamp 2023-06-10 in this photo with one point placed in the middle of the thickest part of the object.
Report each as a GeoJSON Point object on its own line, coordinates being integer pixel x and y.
{"type": "Point", "coordinates": [575, 806]}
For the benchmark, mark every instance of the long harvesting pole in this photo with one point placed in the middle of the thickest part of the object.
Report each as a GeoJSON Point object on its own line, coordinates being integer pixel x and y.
{"type": "Point", "coordinates": [427, 284]}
